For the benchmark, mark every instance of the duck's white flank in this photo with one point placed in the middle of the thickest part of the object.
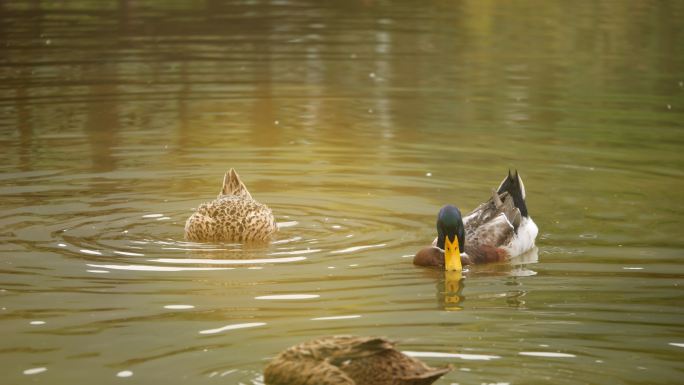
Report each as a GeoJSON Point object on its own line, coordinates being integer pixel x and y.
{"type": "Point", "coordinates": [523, 240]}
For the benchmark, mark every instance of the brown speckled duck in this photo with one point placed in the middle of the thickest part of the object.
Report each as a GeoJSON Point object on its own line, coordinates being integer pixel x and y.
{"type": "Point", "coordinates": [346, 360]}
{"type": "Point", "coordinates": [495, 231]}
{"type": "Point", "coordinates": [233, 216]}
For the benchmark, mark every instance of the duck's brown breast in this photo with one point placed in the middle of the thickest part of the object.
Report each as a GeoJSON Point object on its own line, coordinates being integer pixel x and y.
{"type": "Point", "coordinates": [429, 256]}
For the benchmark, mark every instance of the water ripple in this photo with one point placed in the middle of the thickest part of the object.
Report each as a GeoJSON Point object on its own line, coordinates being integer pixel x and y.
{"type": "Point", "coordinates": [474, 357]}
{"type": "Point", "coordinates": [31, 371]}
{"type": "Point", "coordinates": [339, 317]}
{"type": "Point", "coordinates": [227, 261]}
{"type": "Point", "coordinates": [288, 296]}
{"type": "Point", "coordinates": [356, 248]}
{"type": "Point", "coordinates": [547, 354]}
{"type": "Point", "coordinates": [156, 268]}
{"type": "Point", "coordinates": [232, 327]}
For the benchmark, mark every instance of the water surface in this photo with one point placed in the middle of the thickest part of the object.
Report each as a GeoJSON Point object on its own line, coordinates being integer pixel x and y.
{"type": "Point", "coordinates": [354, 122]}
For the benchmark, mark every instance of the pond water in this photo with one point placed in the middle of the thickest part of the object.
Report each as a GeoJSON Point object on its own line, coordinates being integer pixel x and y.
{"type": "Point", "coordinates": [355, 122]}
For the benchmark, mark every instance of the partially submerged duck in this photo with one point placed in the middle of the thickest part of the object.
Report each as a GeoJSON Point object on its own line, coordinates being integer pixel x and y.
{"type": "Point", "coordinates": [495, 231]}
{"type": "Point", "coordinates": [233, 216]}
{"type": "Point", "coordinates": [347, 360]}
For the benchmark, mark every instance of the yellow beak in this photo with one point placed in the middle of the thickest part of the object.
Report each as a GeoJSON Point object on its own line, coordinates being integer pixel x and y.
{"type": "Point", "coordinates": [452, 255]}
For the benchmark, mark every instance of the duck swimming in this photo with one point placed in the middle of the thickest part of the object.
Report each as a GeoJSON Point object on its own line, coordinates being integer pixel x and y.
{"type": "Point", "coordinates": [495, 231]}
{"type": "Point", "coordinates": [347, 360]}
{"type": "Point", "coordinates": [233, 216]}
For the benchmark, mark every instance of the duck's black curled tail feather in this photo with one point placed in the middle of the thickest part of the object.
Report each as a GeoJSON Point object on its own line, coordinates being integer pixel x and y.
{"type": "Point", "coordinates": [513, 185]}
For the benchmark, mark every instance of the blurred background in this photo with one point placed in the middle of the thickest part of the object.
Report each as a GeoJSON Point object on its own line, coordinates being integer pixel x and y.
{"type": "Point", "coordinates": [355, 121]}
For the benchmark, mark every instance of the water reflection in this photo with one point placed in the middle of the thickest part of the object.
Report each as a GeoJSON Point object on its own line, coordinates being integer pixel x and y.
{"type": "Point", "coordinates": [102, 124]}
{"type": "Point", "coordinates": [124, 374]}
{"type": "Point", "coordinates": [548, 354]}
{"type": "Point", "coordinates": [25, 128]}
{"type": "Point", "coordinates": [156, 268]}
{"type": "Point", "coordinates": [451, 290]}
{"type": "Point", "coordinates": [179, 307]}
{"type": "Point", "coordinates": [31, 371]}
{"type": "Point", "coordinates": [339, 317]}
{"type": "Point", "coordinates": [245, 261]}
{"type": "Point", "coordinates": [463, 356]}
{"type": "Point", "coordinates": [232, 327]}
{"type": "Point", "coordinates": [450, 286]}
{"type": "Point", "coordinates": [288, 296]}
{"type": "Point", "coordinates": [519, 266]}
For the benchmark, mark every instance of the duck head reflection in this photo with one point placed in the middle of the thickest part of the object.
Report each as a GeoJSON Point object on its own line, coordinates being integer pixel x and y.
{"type": "Point", "coordinates": [450, 290]}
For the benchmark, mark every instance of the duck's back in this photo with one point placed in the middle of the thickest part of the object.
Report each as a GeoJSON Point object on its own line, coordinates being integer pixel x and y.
{"type": "Point", "coordinates": [489, 227]}
{"type": "Point", "coordinates": [230, 218]}
{"type": "Point", "coordinates": [501, 227]}
{"type": "Point", "coordinates": [233, 216]}
{"type": "Point", "coordinates": [345, 360]}
{"type": "Point", "coordinates": [391, 367]}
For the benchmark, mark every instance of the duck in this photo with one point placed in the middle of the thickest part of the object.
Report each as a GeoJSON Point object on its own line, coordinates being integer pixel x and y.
{"type": "Point", "coordinates": [497, 230]}
{"type": "Point", "coordinates": [348, 360]}
{"type": "Point", "coordinates": [233, 216]}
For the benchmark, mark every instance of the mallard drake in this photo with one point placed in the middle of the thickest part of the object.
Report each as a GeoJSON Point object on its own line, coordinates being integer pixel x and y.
{"type": "Point", "coordinates": [495, 231]}
{"type": "Point", "coordinates": [347, 360]}
{"type": "Point", "coordinates": [233, 216]}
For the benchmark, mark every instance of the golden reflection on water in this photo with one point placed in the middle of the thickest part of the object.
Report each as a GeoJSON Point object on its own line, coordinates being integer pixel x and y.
{"type": "Point", "coordinates": [453, 285]}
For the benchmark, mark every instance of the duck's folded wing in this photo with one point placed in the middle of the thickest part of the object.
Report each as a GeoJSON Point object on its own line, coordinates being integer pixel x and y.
{"type": "Point", "coordinates": [354, 348]}
{"type": "Point", "coordinates": [497, 204]}
{"type": "Point", "coordinates": [484, 243]}
{"type": "Point", "coordinates": [320, 362]}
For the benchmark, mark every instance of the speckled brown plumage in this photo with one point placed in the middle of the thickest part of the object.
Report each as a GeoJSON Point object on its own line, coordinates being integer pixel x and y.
{"type": "Point", "coordinates": [233, 216]}
{"type": "Point", "coordinates": [346, 360]}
